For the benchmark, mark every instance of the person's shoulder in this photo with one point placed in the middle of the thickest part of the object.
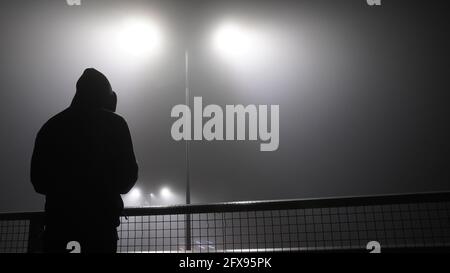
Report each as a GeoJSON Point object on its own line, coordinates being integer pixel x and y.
{"type": "Point", "coordinates": [114, 122]}
{"type": "Point", "coordinates": [112, 117]}
{"type": "Point", "coordinates": [54, 120]}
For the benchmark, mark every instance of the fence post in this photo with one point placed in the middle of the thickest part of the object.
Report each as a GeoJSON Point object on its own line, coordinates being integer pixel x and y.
{"type": "Point", "coordinates": [35, 234]}
{"type": "Point", "coordinates": [188, 232]}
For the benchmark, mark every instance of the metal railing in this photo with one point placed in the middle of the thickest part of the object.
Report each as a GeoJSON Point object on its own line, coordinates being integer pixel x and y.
{"type": "Point", "coordinates": [396, 222]}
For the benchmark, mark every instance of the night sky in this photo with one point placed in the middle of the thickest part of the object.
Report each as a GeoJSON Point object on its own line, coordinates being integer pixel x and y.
{"type": "Point", "coordinates": [362, 93]}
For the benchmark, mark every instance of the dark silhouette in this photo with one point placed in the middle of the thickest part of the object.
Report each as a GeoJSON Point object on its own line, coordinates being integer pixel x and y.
{"type": "Point", "coordinates": [111, 102]}
{"type": "Point", "coordinates": [83, 160]}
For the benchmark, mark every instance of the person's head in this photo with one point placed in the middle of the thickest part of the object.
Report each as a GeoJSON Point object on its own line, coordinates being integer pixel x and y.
{"type": "Point", "coordinates": [94, 91]}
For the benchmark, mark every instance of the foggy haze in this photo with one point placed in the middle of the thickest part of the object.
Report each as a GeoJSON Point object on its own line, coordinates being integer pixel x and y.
{"type": "Point", "coordinates": [362, 94]}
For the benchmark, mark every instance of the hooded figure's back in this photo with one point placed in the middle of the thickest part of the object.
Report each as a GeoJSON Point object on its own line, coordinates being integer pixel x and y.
{"type": "Point", "coordinates": [83, 157]}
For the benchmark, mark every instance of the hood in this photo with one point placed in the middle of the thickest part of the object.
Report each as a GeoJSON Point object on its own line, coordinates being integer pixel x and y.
{"type": "Point", "coordinates": [93, 91]}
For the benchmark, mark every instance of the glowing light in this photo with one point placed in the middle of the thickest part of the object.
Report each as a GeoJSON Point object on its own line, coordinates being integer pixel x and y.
{"type": "Point", "coordinates": [166, 193]}
{"type": "Point", "coordinates": [139, 37]}
{"type": "Point", "coordinates": [135, 194]}
{"type": "Point", "coordinates": [235, 41]}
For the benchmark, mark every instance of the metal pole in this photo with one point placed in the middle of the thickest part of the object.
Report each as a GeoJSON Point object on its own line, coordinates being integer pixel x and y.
{"type": "Point", "coordinates": [188, 186]}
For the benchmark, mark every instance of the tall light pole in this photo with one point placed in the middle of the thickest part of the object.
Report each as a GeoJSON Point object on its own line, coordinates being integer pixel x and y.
{"type": "Point", "coordinates": [188, 182]}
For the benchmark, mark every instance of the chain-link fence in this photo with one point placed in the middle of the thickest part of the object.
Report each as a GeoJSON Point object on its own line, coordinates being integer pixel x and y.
{"type": "Point", "coordinates": [396, 222]}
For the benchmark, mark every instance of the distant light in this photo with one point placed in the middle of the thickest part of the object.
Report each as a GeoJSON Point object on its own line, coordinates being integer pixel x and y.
{"type": "Point", "coordinates": [139, 37]}
{"type": "Point", "coordinates": [235, 41]}
{"type": "Point", "coordinates": [152, 195]}
{"type": "Point", "coordinates": [135, 194]}
{"type": "Point", "coordinates": [166, 193]}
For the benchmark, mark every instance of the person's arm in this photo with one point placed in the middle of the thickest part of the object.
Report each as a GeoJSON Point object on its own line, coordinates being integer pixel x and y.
{"type": "Point", "coordinates": [126, 168]}
{"type": "Point", "coordinates": [39, 172]}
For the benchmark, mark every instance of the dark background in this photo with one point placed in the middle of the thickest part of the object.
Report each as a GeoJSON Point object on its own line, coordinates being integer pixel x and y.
{"type": "Point", "coordinates": [362, 93]}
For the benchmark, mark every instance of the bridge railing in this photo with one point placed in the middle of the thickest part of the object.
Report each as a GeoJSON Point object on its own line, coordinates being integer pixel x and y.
{"type": "Point", "coordinates": [395, 222]}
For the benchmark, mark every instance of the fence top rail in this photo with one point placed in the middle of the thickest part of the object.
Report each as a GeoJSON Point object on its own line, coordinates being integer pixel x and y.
{"type": "Point", "coordinates": [21, 215]}
{"type": "Point", "coordinates": [291, 204]}
{"type": "Point", "coordinates": [266, 205]}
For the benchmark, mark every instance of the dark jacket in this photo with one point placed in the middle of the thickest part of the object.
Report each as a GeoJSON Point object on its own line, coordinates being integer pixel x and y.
{"type": "Point", "coordinates": [83, 157]}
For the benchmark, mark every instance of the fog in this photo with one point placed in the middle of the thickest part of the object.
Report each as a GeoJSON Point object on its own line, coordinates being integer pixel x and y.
{"type": "Point", "coordinates": [361, 90]}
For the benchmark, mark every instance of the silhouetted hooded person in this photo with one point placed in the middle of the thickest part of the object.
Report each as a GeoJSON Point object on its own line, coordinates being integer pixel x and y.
{"type": "Point", "coordinates": [83, 160]}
